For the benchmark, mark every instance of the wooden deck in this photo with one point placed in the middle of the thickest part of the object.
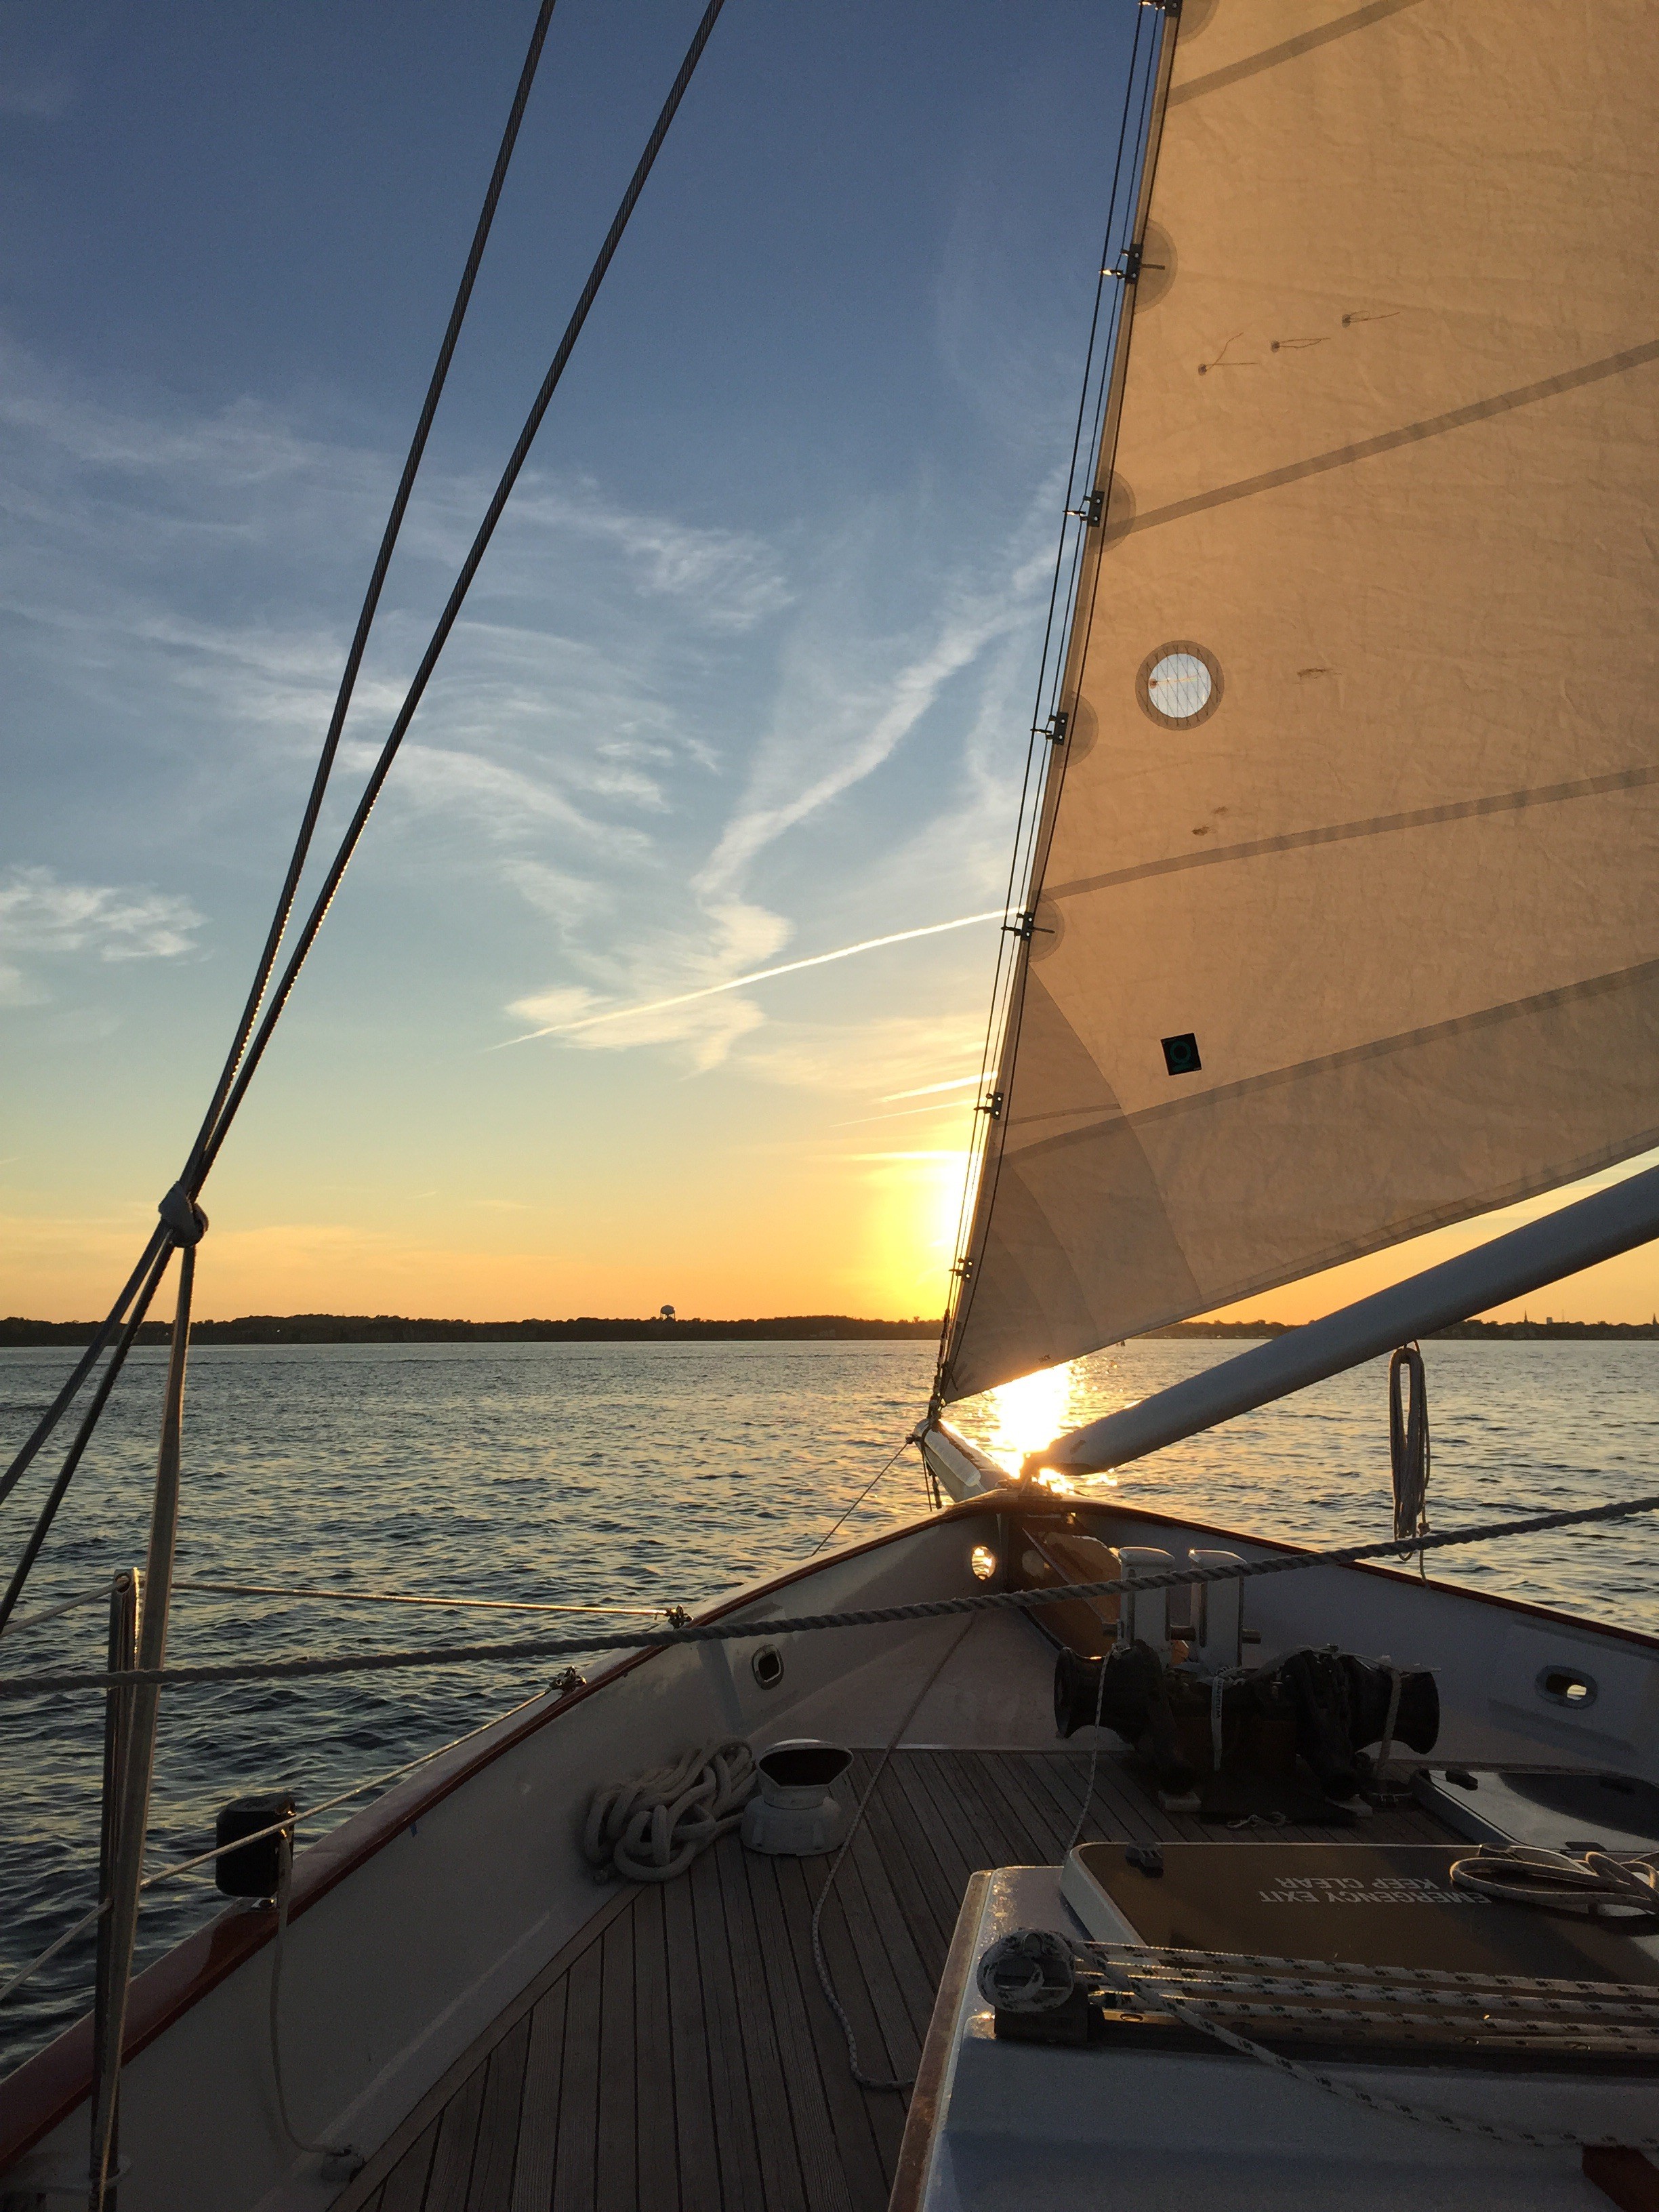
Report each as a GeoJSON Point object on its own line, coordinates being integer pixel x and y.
{"type": "Point", "coordinates": [679, 2053]}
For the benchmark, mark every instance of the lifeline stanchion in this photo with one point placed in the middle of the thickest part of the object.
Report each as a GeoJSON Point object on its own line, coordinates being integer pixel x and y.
{"type": "Point", "coordinates": [125, 1605]}
{"type": "Point", "coordinates": [122, 1919]}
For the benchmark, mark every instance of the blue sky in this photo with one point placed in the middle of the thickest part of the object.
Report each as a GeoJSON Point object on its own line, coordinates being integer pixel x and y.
{"type": "Point", "coordinates": [746, 675]}
{"type": "Point", "coordinates": [745, 678]}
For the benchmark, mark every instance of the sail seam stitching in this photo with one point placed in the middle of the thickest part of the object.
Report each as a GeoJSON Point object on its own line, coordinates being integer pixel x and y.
{"type": "Point", "coordinates": [1433, 425]}
{"type": "Point", "coordinates": [1422, 818]}
{"type": "Point", "coordinates": [1292, 50]}
{"type": "Point", "coordinates": [1434, 1032]}
{"type": "Point", "coordinates": [1422, 1223]}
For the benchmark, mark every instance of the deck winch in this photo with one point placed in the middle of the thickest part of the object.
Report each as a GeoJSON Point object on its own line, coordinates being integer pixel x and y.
{"type": "Point", "coordinates": [1321, 1706]}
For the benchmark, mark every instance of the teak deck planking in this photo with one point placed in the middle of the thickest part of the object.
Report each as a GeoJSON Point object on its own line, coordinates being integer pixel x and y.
{"type": "Point", "coordinates": [679, 2053]}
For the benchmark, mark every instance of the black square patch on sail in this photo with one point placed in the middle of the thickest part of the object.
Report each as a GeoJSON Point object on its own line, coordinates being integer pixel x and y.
{"type": "Point", "coordinates": [1181, 1054]}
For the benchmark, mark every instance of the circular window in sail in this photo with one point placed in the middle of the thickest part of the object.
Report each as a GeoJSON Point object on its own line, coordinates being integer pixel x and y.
{"type": "Point", "coordinates": [1180, 684]}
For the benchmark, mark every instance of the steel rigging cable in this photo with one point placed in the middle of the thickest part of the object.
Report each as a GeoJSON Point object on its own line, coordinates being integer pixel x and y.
{"type": "Point", "coordinates": [158, 1245]}
{"type": "Point", "coordinates": [249, 1049]}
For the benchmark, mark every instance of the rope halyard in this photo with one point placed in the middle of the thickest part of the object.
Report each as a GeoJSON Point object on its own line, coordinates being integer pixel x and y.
{"type": "Point", "coordinates": [826, 1980]}
{"type": "Point", "coordinates": [1203, 1989]}
{"type": "Point", "coordinates": [722, 1632]}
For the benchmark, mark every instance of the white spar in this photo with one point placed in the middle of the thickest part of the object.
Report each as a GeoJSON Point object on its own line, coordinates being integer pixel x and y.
{"type": "Point", "coordinates": [1599, 1227]}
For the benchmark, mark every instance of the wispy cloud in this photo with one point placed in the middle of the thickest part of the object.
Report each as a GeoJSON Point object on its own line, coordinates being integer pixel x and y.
{"type": "Point", "coordinates": [732, 578]}
{"type": "Point", "coordinates": [851, 686]}
{"type": "Point", "coordinates": [785, 791]}
{"type": "Point", "coordinates": [925, 1089]}
{"type": "Point", "coordinates": [43, 916]}
{"type": "Point", "coordinates": [506, 802]}
{"type": "Point", "coordinates": [185, 579]}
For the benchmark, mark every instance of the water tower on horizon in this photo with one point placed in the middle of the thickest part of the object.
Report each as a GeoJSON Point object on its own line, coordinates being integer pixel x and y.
{"type": "Point", "coordinates": [665, 1313]}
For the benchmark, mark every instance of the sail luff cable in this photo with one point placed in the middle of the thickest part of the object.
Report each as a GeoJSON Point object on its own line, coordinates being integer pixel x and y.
{"type": "Point", "coordinates": [377, 579]}
{"type": "Point", "coordinates": [1148, 79]}
{"type": "Point", "coordinates": [991, 1048]}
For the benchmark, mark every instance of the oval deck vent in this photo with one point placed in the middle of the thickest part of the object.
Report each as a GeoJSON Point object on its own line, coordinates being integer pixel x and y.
{"type": "Point", "coordinates": [1567, 1686]}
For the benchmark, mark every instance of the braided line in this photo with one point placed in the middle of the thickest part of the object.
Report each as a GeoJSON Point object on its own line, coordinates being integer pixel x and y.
{"type": "Point", "coordinates": [720, 1631]}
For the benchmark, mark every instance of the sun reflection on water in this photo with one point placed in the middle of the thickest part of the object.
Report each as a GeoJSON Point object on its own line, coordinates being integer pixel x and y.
{"type": "Point", "coordinates": [1029, 1412]}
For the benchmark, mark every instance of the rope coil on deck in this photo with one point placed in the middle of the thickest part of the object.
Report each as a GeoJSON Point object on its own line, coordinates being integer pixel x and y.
{"type": "Point", "coordinates": [650, 1829]}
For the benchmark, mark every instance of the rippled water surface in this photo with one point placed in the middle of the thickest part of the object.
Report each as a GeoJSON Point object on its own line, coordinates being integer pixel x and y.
{"type": "Point", "coordinates": [648, 1474]}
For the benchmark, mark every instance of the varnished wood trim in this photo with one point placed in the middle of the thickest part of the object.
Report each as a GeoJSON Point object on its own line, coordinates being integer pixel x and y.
{"type": "Point", "coordinates": [923, 2116]}
{"type": "Point", "coordinates": [1625, 2176]}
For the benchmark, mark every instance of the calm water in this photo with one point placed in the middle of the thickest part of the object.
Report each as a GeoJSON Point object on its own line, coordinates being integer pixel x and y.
{"type": "Point", "coordinates": [648, 1474]}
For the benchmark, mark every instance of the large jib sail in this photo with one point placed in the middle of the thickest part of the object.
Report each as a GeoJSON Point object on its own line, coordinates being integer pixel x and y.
{"type": "Point", "coordinates": [1343, 899]}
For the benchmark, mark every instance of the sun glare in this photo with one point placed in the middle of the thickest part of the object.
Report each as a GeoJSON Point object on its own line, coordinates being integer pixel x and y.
{"type": "Point", "coordinates": [1029, 1413]}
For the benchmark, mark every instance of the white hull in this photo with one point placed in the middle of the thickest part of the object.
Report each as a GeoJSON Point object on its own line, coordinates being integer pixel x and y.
{"type": "Point", "coordinates": [418, 1921]}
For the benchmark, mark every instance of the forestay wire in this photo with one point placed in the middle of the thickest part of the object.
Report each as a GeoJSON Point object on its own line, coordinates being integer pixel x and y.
{"type": "Point", "coordinates": [157, 1251]}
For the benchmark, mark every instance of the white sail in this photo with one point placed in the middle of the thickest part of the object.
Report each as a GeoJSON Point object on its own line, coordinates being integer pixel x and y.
{"type": "Point", "coordinates": [1346, 915]}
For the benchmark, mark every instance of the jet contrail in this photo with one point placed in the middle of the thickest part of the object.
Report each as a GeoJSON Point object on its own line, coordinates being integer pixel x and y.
{"type": "Point", "coordinates": [927, 1089]}
{"type": "Point", "coordinates": [760, 975]}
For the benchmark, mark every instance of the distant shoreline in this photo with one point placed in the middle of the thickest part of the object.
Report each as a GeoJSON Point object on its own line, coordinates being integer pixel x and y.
{"type": "Point", "coordinates": [786, 1329]}
{"type": "Point", "coordinates": [398, 1328]}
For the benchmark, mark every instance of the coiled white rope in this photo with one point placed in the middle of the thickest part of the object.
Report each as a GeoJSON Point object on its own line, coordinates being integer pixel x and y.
{"type": "Point", "coordinates": [650, 1829]}
{"type": "Point", "coordinates": [1595, 1883]}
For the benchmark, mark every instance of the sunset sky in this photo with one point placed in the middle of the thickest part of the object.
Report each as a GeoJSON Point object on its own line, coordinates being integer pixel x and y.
{"type": "Point", "coordinates": [745, 678]}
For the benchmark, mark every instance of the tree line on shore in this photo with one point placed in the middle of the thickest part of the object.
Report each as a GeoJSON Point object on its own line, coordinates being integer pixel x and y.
{"type": "Point", "coordinates": [398, 1328]}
